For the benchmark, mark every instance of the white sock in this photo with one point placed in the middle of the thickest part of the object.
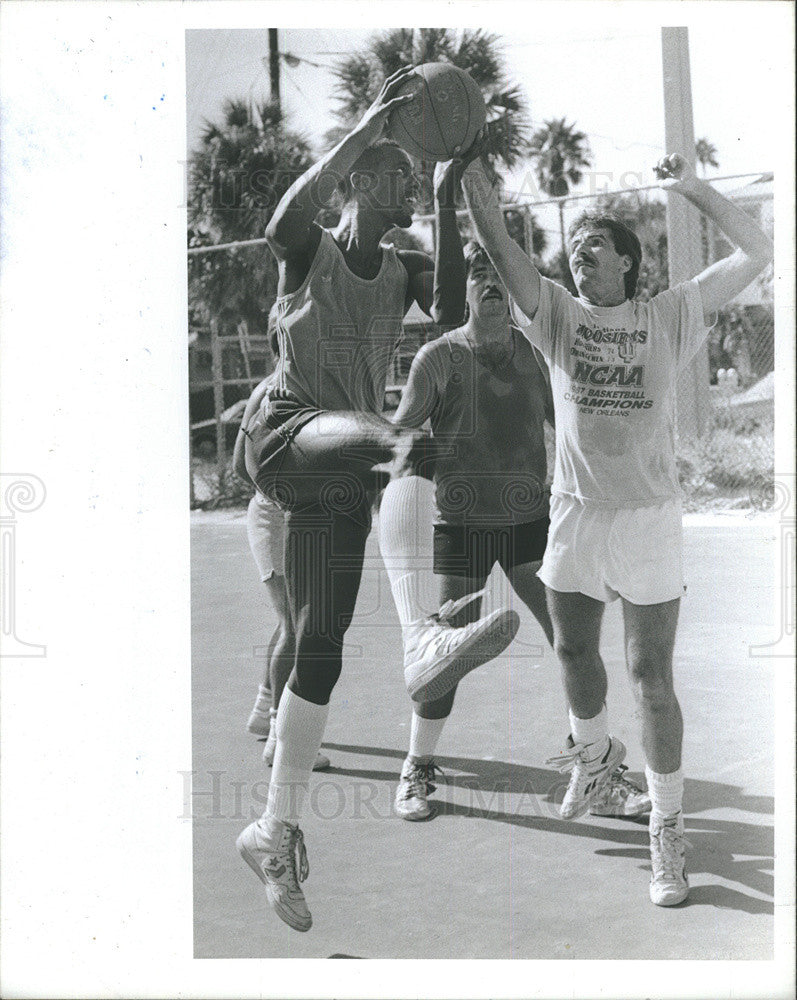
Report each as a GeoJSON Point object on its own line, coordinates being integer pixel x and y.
{"type": "Point", "coordinates": [424, 734]}
{"type": "Point", "coordinates": [405, 540]}
{"type": "Point", "coordinates": [666, 792]}
{"type": "Point", "coordinates": [593, 733]}
{"type": "Point", "coordinates": [300, 729]}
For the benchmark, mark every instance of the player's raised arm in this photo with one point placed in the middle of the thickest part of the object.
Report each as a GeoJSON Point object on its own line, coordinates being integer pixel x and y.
{"type": "Point", "coordinates": [439, 287]}
{"type": "Point", "coordinates": [722, 281]}
{"type": "Point", "coordinates": [289, 229]}
{"type": "Point", "coordinates": [515, 268]}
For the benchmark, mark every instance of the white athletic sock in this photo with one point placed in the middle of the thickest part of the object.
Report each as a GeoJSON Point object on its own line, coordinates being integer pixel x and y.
{"type": "Point", "coordinates": [424, 734]}
{"type": "Point", "coordinates": [300, 729]}
{"type": "Point", "coordinates": [405, 540]}
{"type": "Point", "coordinates": [593, 733]}
{"type": "Point", "coordinates": [666, 792]}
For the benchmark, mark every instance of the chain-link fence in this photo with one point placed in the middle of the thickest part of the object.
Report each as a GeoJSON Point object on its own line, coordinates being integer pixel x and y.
{"type": "Point", "coordinates": [726, 399]}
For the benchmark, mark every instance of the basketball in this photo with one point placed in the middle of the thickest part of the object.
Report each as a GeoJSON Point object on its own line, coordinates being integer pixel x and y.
{"type": "Point", "coordinates": [445, 116]}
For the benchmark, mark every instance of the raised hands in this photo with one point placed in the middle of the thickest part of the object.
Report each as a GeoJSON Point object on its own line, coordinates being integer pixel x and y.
{"type": "Point", "coordinates": [674, 173]}
{"type": "Point", "coordinates": [373, 122]}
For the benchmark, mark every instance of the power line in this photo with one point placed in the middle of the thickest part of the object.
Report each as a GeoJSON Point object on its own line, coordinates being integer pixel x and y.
{"type": "Point", "coordinates": [462, 212]}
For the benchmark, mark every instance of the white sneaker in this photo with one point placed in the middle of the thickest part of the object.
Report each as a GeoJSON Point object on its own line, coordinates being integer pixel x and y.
{"type": "Point", "coordinates": [321, 762]}
{"type": "Point", "coordinates": [437, 656]}
{"type": "Point", "coordinates": [415, 784]}
{"type": "Point", "coordinates": [587, 777]}
{"type": "Point", "coordinates": [259, 720]}
{"type": "Point", "coordinates": [620, 797]}
{"type": "Point", "coordinates": [668, 882]}
{"type": "Point", "coordinates": [280, 869]}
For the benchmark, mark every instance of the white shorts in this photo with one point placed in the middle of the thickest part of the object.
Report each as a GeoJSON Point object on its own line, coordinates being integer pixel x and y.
{"type": "Point", "coordinates": [610, 552]}
{"type": "Point", "coordinates": [265, 527]}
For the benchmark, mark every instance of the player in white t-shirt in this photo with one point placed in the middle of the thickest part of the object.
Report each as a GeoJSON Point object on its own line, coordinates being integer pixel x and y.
{"type": "Point", "coordinates": [615, 508]}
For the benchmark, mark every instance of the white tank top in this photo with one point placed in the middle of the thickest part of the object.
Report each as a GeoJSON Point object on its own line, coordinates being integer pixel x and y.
{"type": "Point", "coordinates": [337, 332]}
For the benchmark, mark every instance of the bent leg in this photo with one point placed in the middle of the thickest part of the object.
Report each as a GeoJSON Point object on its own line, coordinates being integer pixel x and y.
{"type": "Point", "coordinates": [451, 589]}
{"type": "Point", "coordinates": [649, 643]}
{"type": "Point", "coordinates": [331, 458]}
{"type": "Point", "coordinates": [323, 558]}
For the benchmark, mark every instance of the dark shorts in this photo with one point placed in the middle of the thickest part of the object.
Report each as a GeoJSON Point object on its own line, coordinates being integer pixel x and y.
{"type": "Point", "coordinates": [469, 550]}
{"type": "Point", "coordinates": [269, 435]}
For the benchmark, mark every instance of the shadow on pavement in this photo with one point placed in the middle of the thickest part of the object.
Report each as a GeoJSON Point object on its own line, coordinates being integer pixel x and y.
{"type": "Point", "coordinates": [714, 845]}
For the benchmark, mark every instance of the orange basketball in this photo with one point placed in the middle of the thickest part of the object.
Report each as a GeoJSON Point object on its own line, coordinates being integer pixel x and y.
{"type": "Point", "coordinates": [445, 116]}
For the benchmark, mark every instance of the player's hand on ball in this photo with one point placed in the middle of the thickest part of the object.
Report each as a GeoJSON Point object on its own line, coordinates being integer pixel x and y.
{"type": "Point", "coordinates": [476, 153]}
{"type": "Point", "coordinates": [373, 122]}
{"type": "Point", "coordinates": [674, 172]}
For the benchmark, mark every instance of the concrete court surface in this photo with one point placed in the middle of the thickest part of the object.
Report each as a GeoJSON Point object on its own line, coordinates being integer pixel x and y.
{"type": "Point", "coordinates": [495, 873]}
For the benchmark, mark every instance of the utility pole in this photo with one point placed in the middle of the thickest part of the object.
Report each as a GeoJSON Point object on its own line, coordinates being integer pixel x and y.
{"type": "Point", "coordinates": [274, 66]}
{"type": "Point", "coordinates": [683, 220]}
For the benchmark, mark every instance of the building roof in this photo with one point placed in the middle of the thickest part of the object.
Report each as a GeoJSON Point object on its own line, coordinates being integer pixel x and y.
{"type": "Point", "coordinates": [760, 189]}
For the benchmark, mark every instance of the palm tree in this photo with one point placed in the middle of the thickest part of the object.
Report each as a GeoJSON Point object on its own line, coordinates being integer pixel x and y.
{"type": "Point", "coordinates": [561, 152]}
{"type": "Point", "coordinates": [706, 153]}
{"type": "Point", "coordinates": [237, 175]}
{"type": "Point", "coordinates": [359, 77]}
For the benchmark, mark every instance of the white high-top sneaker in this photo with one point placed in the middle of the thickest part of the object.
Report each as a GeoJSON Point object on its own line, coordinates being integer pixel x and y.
{"type": "Point", "coordinates": [437, 656]}
{"type": "Point", "coordinates": [280, 868]}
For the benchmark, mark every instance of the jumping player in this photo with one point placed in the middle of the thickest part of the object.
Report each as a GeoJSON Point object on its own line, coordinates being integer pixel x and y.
{"type": "Point", "coordinates": [265, 529]}
{"type": "Point", "coordinates": [316, 439]}
{"type": "Point", "coordinates": [486, 392]}
{"type": "Point", "coordinates": [616, 511]}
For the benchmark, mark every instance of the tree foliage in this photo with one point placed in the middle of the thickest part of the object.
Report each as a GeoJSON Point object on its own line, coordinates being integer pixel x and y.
{"type": "Point", "coordinates": [360, 75]}
{"type": "Point", "coordinates": [237, 175]}
{"type": "Point", "coordinates": [706, 153]}
{"type": "Point", "coordinates": [561, 153]}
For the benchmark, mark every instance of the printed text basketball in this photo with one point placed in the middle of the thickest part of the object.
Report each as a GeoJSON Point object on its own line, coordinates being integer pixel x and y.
{"type": "Point", "coordinates": [445, 116]}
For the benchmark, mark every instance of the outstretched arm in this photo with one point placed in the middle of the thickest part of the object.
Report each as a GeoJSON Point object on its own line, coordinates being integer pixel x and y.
{"type": "Point", "coordinates": [421, 393]}
{"type": "Point", "coordinates": [289, 229]}
{"type": "Point", "coordinates": [517, 272]}
{"type": "Point", "coordinates": [439, 287]}
{"type": "Point", "coordinates": [722, 281]}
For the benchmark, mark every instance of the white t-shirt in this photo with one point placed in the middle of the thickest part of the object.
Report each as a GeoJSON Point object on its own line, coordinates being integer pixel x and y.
{"type": "Point", "coordinates": [613, 374]}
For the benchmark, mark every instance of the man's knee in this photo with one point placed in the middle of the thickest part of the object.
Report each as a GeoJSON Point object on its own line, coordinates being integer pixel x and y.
{"type": "Point", "coordinates": [575, 651]}
{"type": "Point", "coordinates": [650, 670]}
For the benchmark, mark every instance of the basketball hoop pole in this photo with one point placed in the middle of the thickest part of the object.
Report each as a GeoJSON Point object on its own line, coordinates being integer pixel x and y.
{"type": "Point", "coordinates": [683, 219]}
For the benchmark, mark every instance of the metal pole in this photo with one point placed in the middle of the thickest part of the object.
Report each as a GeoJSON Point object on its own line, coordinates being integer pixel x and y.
{"type": "Point", "coordinates": [274, 66]}
{"type": "Point", "coordinates": [218, 399]}
{"type": "Point", "coordinates": [683, 219]}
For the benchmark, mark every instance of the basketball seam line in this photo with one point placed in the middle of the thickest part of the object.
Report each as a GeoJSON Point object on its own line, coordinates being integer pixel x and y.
{"type": "Point", "coordinates": [440, 131]}
{"type": "Point", "coordinates": [467, 105]}
{"type": "Point", "coordinates": [406, 131]}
